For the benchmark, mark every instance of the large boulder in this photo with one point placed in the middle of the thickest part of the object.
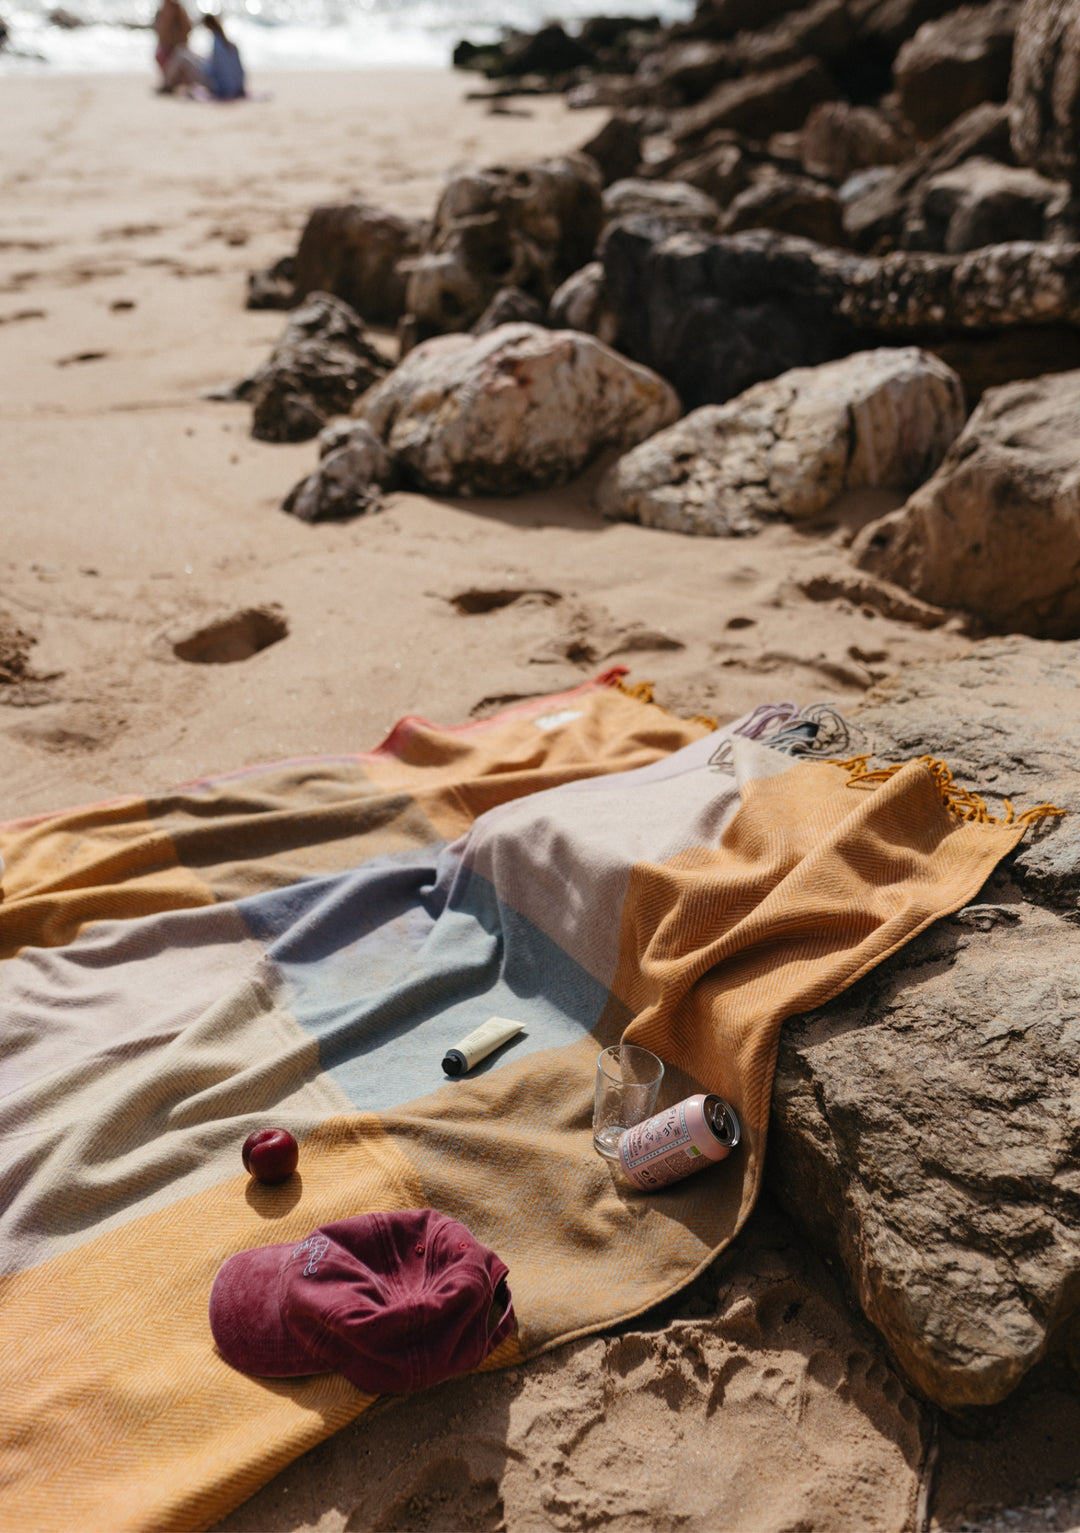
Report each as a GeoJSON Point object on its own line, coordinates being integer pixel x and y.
{"type": "Point", "coordinates": [954, 64]}
{"type": "Point", "coordinates": [1044, 90]}
{"type": "Point", "coordinates": [319, 368]}
{"type": "Point", "coordinates": [355, 251]}
{"type": "Point", "coordinates": [982, 202]}
{"type": "Point", "coordinates": [519, 408]}
{"type": "Point", "coordinates": [757, 104]}
{"type": "Point", "coordinates": [924, 1124]}
{"type": "Point", "coordinates": [580, 303]}
{"type": "Point", "coordinates": [527, 226]}
{"type": "Point", "coordinates": [722, 170]}
{"type": "Point", "coordinates": [791, 446]}
{"type": "Point", "coordinates": [616, 148]}
{"type": "Point", "coordinates": [675, 203]}
{"type": "Point", "coordinates": [878, 208]}
{"type": "Point", "coordinates": [881, 28]}
{"type": "Point", "coordinates": [715, 315]}
{"type": "Point", "coordinates": [996, 531]}
{"type": "Point", "coordinates": [790, 204]}
{"type": "Point", "coordinates": [838, 138]}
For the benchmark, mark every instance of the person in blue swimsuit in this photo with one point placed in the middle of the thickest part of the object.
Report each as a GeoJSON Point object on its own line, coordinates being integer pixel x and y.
{"type": "Point", "coordinates": [223, 72]}
{"type": "Point", "coordinates": [221, 76]}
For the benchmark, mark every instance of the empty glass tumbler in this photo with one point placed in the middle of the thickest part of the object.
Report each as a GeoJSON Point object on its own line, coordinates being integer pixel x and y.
{"type": "Point", "coordinates": [627, 1084]}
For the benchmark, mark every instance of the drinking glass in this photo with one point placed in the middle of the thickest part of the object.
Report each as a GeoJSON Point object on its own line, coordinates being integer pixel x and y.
{"type": "Point", "coordinates": [627, 1083]}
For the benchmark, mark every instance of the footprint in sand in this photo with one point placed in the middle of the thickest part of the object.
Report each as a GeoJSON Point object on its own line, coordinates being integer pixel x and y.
{"type": "Point", "coordinates": [474, 601]}
{"type": "Point", "coordinates": [231, 637]}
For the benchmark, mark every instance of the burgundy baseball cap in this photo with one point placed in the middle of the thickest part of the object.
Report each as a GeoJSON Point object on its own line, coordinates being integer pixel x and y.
{"type": "Point", "coordinates": [394, 1301]}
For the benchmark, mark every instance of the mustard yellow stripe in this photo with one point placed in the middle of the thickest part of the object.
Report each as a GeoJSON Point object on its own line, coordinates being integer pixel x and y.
{"type": "Point", "coordinates": [116, 1413]}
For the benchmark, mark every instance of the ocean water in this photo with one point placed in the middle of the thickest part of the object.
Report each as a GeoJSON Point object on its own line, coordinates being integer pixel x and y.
{"type": "Point", "coordinates": [289, 34]}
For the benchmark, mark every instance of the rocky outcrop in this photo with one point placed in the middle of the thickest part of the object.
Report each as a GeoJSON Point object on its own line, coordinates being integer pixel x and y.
{"type": "Point", "coordinates": [791, 446]}
{"type": "Point", "coordinates": [580, 304]}
{"type": "Point", "coordinates": [981, 202]}
{"type": "Point", "coordinates": [723, 170]}
{"type": "Point", "coordinates": [616, 149]}
{"type": "Point", "coordinates": [352, 250]}
{"type": "Point", "coordinates": [757, 104]}
{"type": "Point", "coordinates": [519, 408]}
{"type": "Point", "coordinates": [838, 138]}
{"type": "Point", "coordinates": [956, 63]}
{"type": "Point", "coordinates": [509, 306]}
{"type": "Point", "coordinates": [997, 529]}
{"type": "Point", "coordinates": [355, 251]}
{"type": "Point", "coordinates": [878, 208]}
{"type": "Point", "coordinates": [791, 205]}
{"type": "Point", "coordinates": [925, 1123]}
{"type": "Point", "coordinates": [1044, 91]}
{"type": "Point", "coordinates": [528, 227]}
{"type": "Point", "coordinates": [715, 315]}
{"type": "Point", "coordinates": [319, 368]}
{"type": "Point", "coordinates": [354, 469]}
{"type": "Point", "coordinates": [675, 203]}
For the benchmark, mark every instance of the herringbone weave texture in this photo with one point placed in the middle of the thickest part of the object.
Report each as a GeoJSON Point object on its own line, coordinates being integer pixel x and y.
{"type": "Point", "coordinates": [298, 945]}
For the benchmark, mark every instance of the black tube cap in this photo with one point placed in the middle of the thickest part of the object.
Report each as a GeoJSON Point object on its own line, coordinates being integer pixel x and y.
{"type": "Point", "coordinates": [455, 1062]}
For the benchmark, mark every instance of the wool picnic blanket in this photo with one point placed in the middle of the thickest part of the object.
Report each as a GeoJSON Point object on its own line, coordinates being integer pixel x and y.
{"type": "Point", "coordinates": [297, 945]}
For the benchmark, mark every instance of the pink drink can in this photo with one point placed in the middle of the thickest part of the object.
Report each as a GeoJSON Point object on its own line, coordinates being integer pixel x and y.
{"type": "Point", "coordinates": [678, 1141]}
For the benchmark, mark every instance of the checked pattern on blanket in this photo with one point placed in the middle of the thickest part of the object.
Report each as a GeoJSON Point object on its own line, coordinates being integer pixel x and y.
{"type": "Point", "coordinates": [298, 944]}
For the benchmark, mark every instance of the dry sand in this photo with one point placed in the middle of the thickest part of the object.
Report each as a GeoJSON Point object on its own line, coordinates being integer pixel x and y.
{"type": "Point", "coordinates": [133, 513]}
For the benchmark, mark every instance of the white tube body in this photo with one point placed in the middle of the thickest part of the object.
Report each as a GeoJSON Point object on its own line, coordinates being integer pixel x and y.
{"type": "Point", "coordinates": [486, 1038]}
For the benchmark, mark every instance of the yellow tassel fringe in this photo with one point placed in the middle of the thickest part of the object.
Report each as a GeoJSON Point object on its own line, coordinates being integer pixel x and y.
{"type": "Point", "coordinates": [960, 801]}
{"type": "Point", "coordinates": [643, 692]}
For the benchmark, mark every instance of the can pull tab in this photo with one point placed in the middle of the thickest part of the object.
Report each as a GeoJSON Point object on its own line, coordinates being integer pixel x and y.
{"type": "Point", "coordinates": [724, 1122]}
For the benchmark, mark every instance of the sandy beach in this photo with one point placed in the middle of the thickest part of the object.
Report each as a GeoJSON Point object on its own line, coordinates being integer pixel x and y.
{"type": "Point", "coordinates": [135, 512]}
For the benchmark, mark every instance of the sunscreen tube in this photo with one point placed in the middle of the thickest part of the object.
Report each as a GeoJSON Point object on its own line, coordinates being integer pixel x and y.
{"type": "Point", "coordinates": [481, 1042]}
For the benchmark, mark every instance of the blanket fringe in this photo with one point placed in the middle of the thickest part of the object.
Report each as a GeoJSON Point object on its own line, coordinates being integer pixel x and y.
{"type": "Point", "coordinates": [643, 692]}
{"type": "Point", "coordinates": [959, 801]}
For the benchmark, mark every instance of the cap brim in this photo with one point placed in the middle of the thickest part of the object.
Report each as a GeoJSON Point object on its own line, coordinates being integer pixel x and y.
{"type": "Point", "coordinates": [245, 1316]}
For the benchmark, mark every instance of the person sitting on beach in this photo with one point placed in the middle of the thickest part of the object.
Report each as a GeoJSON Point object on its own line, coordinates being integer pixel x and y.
{"type": "Point", "coordinates": [221, 76]}
{"type": "Point", "coordinates": [223, 72]}
{"type": "Point", "coordinates": [172, 26]}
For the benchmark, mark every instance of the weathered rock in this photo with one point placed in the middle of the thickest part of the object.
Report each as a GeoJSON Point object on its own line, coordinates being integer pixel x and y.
{"type": "Point", "coordinates": [723, 18]}
{"type": "Point", "coordinates": [757, 104]}
{"type": "Point", "coordinates": [320, 366]}
{"type": "Point", "coordinates": [355, 251]}
{"type": "Point", "coordinates": [723, 170]}
{"type": "Point", "coordinates": [838, 138]}
{"type": "Point", "coordinates": [509, 306]}
{"type": "Point", "coordinates": [790, 204]}
{"type": "Point", "coordinates": [519, 408]}
{"type": "Point", "coordinates": [354, 469]}
{"type": "Point", "coordinates": [997, 530]}
{"type": "Point", "coordinates": [874, 215]}
{"type": "Point", "coordinates": [675, 203]}
{"type": "Point", "coordinates": [881, 27]}
{"type": "Point", "coordinates": [526, 227]}
{"type": "Point", "coordinates": [981, 202]}
{"type": "Point", "coordinates": [925, 1123]}
{"type": "Point", "coordinates": [616, 148]}
{"type": "Point", "coordinates": [681, 73]}
{"type": "Point", "coordinates": [956, 63]}
{"type": "Point", "coordinates": [715, 315]}
{"type": "Point", "coordinates": [272, 288]}
{"type": "Point", "coordinates": [580, 303]}
{"type": "Point", "coordinates": [1044, 90]}
{"type": "Point", "coordinates": [791, 446]}
{"type": "Point", "coordinates": [820, 30]}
